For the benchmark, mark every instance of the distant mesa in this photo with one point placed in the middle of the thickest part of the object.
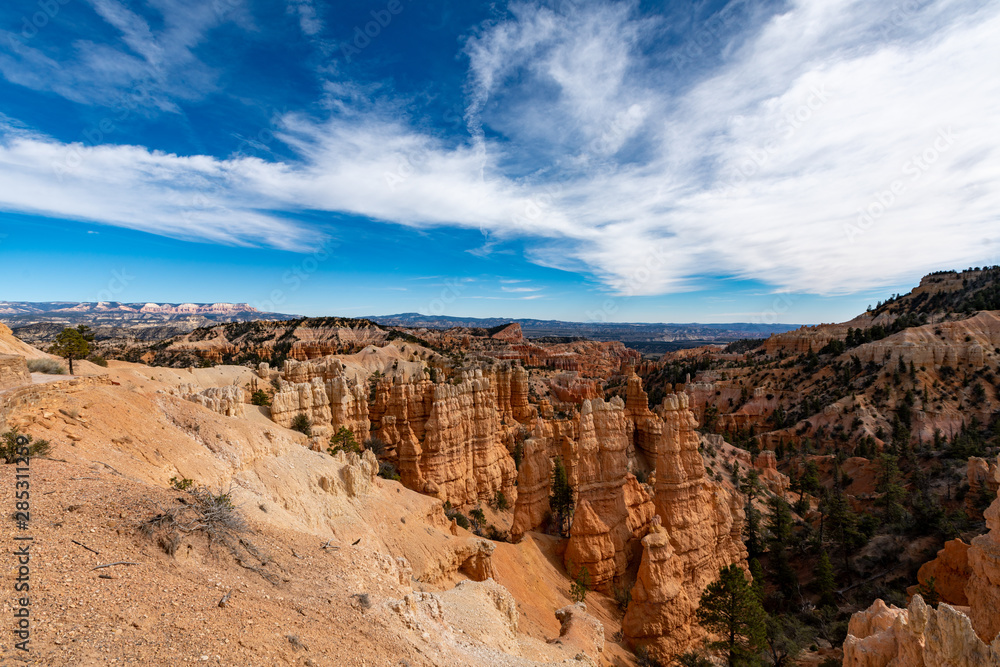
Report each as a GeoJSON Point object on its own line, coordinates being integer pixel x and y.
{"type": "Point", "coordinates": [511, 332]}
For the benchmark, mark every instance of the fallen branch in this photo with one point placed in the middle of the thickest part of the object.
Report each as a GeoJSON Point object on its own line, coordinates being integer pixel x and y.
{"type": "Point", "coordinates": [328, 545]}
{"type": "Point", "coordinates": [121, 562]}
{"type": "Point", "coordinates": [75, 478]}
{"type": "Point", "coordinates": [111, 468]}
{"type": "Point", "coordinates": [86, 547]}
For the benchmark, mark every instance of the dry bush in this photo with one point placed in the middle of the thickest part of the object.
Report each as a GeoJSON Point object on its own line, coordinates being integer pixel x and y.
{"type": "Point", "coordinates": [214, 516]}
{"type": "Point", "coordinates": [46, 367]}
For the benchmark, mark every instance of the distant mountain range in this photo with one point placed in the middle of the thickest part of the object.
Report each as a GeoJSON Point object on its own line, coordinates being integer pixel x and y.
{"type": "Point", "coordinates": [40, 322]}
{"type": "Point", "coordinates": [627, 332]}
{"type": "Point", "coordinates": [73, 312]}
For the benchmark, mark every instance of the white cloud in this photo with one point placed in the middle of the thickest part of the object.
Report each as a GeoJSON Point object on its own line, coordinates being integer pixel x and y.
{"type": "Point", "coordinates": [148, 69]}
{"type": "Point", "coordinates": [755, 169]}
{"type": "Point", "coordinates": [309, 20]}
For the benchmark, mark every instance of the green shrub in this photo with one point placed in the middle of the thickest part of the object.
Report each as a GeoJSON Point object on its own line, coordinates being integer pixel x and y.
{"type": "Point", "coordinates": [98, 360]}
{"type": "Point", "coordinates": [497, 535]}
{"type": "Point", "coordinates": [690, 659]}
{"type": "Point", "coordinates": [46, 367]}
{"type": "Point", "coordinates": [343, 441]}
{"type": "Point", "coordinates": [302, 424]}
{"type": "Point", "coordinates": [459, 518]}
{"type": "Point", "coordinates": [10, 448]}
{"type": "Point", "coordinates": [500, 502]}
{"type": "Point", "coordinates": [260, 397]}
{"type": "Point", "coordinates": [181, 483]}
{"type": "Point", "coordinates": [388, 471]}
{"type": "Point", "coordinates": [643, 659]}
{"type": "Point", "coordinates": [581, 585]}
{"type": "Point", "coordinates": [478, 518]}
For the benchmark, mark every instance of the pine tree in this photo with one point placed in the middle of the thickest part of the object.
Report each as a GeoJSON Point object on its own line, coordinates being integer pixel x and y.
{"type": "Point", "coordinates": [72, 344]}
{"type": "Point", "coordinates": [751, 486]}
{"type": "Point", "coordinates": [808, 483]}
{"type": "Point", "coordinates": [779, 525]}
{"type": "Point", "coordinates": [825, 582]}
{"type": "Point", "coordinates": [730, 609]}
{"type": "Point", "coordinates": [842, 523]}
{"type": "Point", "coordinates": [561, 500]}
{"type": "Point", "coordinates": [779, 522]}
{"type": "Point", "coordinates": [786, 635]}
{"type": "Point", "coordinates": [478, 518]}
{"type": "Point", "coordinates": [343, 441]}
{"type": "Point", "coordinates": [581, 585]}
{"type": "Point", "coordinates": [784, 576]}
{"type": "Point", "coordinates": [757, 573]}
{"type": "Point", "coordinates": [890, 486]}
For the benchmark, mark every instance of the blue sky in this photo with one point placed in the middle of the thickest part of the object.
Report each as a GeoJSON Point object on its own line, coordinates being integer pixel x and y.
{"type": "Point", "coordinates": [575, 159]}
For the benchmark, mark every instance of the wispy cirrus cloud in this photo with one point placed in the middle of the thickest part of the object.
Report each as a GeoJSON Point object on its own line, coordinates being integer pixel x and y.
{"type": "Point", "coordinates": [154, 68]}
{"type": "Point", "coordinates": [607, 161]}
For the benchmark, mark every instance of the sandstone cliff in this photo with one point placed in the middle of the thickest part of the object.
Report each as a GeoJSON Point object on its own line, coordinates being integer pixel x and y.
{"type": "Point", "coordinates": [659, 615]}
{"type": "Point", "coordinates": [451, 440]}
{"type": "Point", "coordinates": [982, 479]}
{"type": "Point", "coordinates": [462, 458]}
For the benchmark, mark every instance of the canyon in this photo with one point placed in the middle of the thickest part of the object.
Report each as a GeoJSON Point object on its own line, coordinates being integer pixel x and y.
{"type": "Point", "coordinates": [488, 498]}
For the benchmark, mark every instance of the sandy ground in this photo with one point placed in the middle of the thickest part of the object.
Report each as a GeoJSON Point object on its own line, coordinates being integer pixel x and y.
{"type": "Point", "coordinates": [116, 447]}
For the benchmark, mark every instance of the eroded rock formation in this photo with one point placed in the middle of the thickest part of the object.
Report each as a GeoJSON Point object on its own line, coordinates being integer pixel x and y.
{"type": "Point", "coordinates": [580, 630]}
{"type": "Point", "coordinates": [322, 392]}
{"type": "Point", "coordinates": [590, 547]}
{"type": "Point", "coordinates": [983, 589]}
{"type": "Point", "coordinates": [982, 479]}
{"type": "Point", "coordinates": [950, 571]}
{"type": "Point", "coordinates": [450, 440]}
{"type": "Point", "coordinates": [918, 636]}
{"type": "Point", "coordinates": [597, 464]}
{"type": "Point", "coordinates": [659, 614]}
{"type": "Point", "coordinates": [535, 477]}
{"type": "Point", "coordinates": [571, 388]}
{"type": "Point", "coordinates": [701, 525]}
{"type": "Point", "coordinates": [228, 401]}
{"type": "Point", "coordinates": [454, 440]}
